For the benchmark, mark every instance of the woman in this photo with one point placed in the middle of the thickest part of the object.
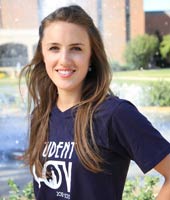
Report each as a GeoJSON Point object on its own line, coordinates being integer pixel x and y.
{"type": "Point", "coordinates": [82, 137]}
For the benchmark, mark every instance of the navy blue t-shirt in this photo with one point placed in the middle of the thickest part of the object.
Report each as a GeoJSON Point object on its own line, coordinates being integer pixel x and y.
{"type": "Point", "coordinates": [122, 134]}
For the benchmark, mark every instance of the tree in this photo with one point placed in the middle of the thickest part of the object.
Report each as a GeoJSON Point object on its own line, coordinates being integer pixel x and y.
{"type": "Point", "coordinates": [140, 50]}
{"type": "Point", "coordinates": [165, 47]}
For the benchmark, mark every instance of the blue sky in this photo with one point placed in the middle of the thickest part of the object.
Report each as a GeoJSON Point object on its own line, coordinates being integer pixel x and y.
{"type": "Point", "coordinates": [156, 5]}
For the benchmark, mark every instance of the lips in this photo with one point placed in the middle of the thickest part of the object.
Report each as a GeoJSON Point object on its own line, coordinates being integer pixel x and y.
{"type": "Point", "coordinates": [65, 72]}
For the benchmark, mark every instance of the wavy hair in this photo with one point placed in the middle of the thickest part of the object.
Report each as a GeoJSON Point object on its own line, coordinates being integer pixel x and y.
{"type": "Point", "coordinates": [43, 94]}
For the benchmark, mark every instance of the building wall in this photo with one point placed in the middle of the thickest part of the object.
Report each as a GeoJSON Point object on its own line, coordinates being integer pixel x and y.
{"type": "Point", "coordinates": [111, 18]}
{"type": "Point", "coordinates": [157, 22]}
{"type": "Point", "coordinates": [137, 19]}
{"type": "Point", "coordinates": [114, 31]}
{"type": "Point", "coordinates": [19, 24]}
{"type": "Point", "coordinates": [115, 27]}
{"type": "Point", "coordinates": [19, 14]}
{"type": "Point", "coordinates": [0, 16]}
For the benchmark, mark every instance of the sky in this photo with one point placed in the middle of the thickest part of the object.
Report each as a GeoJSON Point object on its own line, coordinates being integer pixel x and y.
{"type": "Point", "coordinates": [156, 5]}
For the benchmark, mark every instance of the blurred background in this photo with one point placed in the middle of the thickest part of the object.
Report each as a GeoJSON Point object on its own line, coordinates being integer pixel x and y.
{"type": "Point", "coordinates": [136, 35]}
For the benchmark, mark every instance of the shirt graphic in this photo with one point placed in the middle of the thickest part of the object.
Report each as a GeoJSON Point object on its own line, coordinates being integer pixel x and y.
{"type": "Point", "coordinates": [59, 164]}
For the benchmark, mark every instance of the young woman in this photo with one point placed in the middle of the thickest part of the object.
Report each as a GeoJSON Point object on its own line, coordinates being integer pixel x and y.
{"type": "Point", "coordinates": [82, 137]}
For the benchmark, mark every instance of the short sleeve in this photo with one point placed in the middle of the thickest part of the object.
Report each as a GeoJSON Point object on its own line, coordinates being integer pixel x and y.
{"type": "Point", "coordinates": [144, 144]}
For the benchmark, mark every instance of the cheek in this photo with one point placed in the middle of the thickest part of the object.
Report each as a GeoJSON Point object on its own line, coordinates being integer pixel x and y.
{"type": "Point", "coordinates": [84, 61]}
{"type": "Point", "coordinates": [48, 58]}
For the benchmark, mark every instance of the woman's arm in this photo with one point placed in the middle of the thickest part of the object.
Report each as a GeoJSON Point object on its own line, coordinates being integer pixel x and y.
{"type": "Point", "coordinates": [164, 169]}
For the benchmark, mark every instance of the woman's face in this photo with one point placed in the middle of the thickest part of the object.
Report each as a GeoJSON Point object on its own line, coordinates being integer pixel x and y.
{"type": "Point", "coordinates": [66, 52]}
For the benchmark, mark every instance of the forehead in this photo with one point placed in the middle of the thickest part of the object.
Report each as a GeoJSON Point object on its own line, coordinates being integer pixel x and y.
{"type": "Point", "coordinates": [65, 31]}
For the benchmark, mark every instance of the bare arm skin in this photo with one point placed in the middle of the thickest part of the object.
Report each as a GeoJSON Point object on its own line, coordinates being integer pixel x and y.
{"type": "Point", "coordinates": [164, 169]}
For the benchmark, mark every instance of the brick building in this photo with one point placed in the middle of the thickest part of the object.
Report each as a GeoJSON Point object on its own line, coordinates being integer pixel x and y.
{"type": "Point", "coordinates": [18, 31]}
{"type": "Point", "coordinates": [122, 21]}
{"type": "Point", "coordinates": [157, 22]}
{"type": "Point", "coordinates": [18, 14]}
{"type": "Point", "coordinates": [118, 21]}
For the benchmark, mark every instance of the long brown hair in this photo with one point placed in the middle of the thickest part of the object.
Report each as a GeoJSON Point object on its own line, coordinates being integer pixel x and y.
{"type": "Point", "coordinates": [43, 93]}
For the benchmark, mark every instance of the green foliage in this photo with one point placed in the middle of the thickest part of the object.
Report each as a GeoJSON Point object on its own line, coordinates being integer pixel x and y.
{"type": "Point", "coordinates": [140, 190]}
{"type": "Point", "coordinates": [115, 66]}
{"type": "Point", "coordinates": [28, 191]}
{"type": "Point", "coordinates": [136, 189]}
{"type": "Point", "coordinates": [14, 192]}
{"type": "Point", "coordinates": [158, 94]}
{"type": "Point", "coordinates": [165, 46]}
{"type": "Point", "coordinates": [140, 50]}
{"type": "Point", "coordinates": [17, 194]}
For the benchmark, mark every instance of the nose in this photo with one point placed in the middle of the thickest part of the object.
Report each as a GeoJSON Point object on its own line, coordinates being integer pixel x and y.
{"type": "Point", "coordinates": [65, 59]}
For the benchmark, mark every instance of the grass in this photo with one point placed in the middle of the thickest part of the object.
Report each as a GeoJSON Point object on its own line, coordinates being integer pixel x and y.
{"type": "Point", "coordinates": [141, 77]}
{"type": "Point", "coordinates": [157, 73]}
{"type": "Point", "coordinates": [128, 76]}
{"type": "Point", "coordinates": [9, 81]}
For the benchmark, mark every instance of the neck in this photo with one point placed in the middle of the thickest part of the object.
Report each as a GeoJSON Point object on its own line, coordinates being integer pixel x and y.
{"type": "Point", "coordinates": [67, 100]}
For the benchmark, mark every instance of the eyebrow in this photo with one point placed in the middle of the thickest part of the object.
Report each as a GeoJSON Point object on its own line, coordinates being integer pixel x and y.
{"type": "Point", "coordinates": [77, 44]}
{"type": "Point", "coordinates": [73, 44]}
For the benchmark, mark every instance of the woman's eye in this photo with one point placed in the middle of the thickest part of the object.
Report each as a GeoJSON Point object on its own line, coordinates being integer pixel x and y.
{"type": "Point", "coordinates": [76, 48]}
{"type": "Point", "coordinates": [53, 48]}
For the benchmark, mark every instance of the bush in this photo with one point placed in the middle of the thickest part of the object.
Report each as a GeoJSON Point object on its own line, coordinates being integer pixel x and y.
{"type": "Point", "coordinates": [140, 50]}
{"type": "Point", "coordinates": [158, 94]}
{"type": "Point", "coordinates": [155, 93]}
{"type": "Point", "coordinates": [136, 189]}
{"type": "Point", "coordinates": [17, 194]}
{"type": "Point", "coordinates": [115, 66]}
{"type": "Point", "coordinates": [140, 190]}
{"type": "Point", "coordinates": [165, 47]}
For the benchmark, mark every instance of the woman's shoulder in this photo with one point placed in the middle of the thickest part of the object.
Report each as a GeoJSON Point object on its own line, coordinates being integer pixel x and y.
{"type": "Point", "coordinates": [113, 103]}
